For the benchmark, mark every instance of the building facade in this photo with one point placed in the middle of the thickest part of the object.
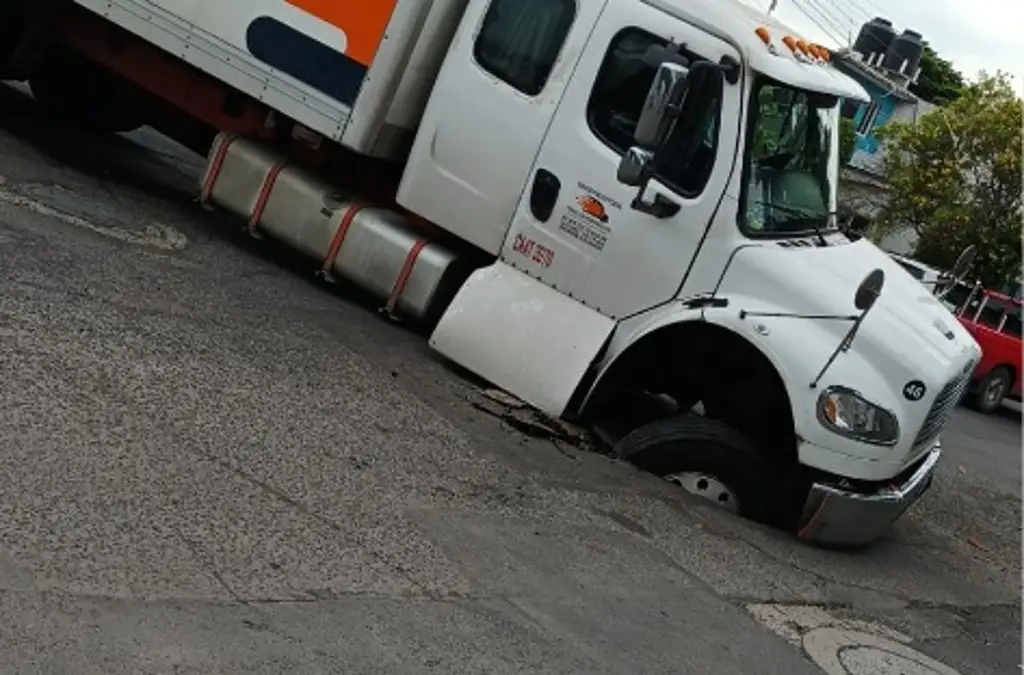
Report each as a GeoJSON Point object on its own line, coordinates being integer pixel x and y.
{"type": "Point", "coordinates": [863, 188]}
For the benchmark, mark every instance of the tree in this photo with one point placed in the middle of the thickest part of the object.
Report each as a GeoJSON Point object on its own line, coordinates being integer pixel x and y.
{"type": "Point", "coordinates": [955, 178]}
{"type": "Point", "coordinates": [939, 82]}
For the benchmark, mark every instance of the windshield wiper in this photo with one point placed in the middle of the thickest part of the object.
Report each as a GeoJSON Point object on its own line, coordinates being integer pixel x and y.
{"type": "Point", "coordinates": [801, 217]}
{"type": "Point", "coordinates": [812, 225]}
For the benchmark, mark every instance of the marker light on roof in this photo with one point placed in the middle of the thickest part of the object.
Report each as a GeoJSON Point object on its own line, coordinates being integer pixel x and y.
{"type": "Point", "coordinates": [763, 33]}
{"type": "Point", "coordinates": [790, 42]}
{"type": "Point", "coordinates": [802, 46]}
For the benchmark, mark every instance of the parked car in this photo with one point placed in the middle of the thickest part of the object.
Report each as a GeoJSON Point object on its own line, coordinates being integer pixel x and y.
{"type": "Point", "coordinates": [994, 319]}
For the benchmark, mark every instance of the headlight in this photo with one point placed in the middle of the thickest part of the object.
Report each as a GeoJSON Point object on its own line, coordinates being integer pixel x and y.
{"type": "Point", "coordinates": [846, 413]}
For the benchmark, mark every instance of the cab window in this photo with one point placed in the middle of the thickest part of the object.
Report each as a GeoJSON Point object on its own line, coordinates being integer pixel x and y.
{"type": "Point", "coordinates": [1012, 325]}
{"type": "Point", "coordinates": [519, 40]}
{"type": "Point", "coordinates": [791, 166]}
{"type": "Point", "coordinates": [618, 96]}
{"type": "Point", "coordinates": [991, 314]}
{"type": "Point", "coordinates": [959, 294]}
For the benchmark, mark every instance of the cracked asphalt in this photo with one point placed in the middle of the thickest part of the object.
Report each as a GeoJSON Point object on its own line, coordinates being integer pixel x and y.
{"type": "Point", "coordinates": [216, 465]}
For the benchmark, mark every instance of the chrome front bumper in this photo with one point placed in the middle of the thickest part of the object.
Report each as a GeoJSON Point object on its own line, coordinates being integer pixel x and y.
{"type": "Point", "coordinates": [839, 516]}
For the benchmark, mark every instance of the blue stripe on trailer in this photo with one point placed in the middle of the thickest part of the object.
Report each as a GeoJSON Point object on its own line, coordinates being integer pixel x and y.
{"type": "Point", "coordinates": [282, 47]}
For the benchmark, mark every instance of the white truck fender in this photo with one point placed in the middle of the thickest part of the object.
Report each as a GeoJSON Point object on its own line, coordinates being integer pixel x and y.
{"type": "Point", "coordinates": [522, 335]}
{"type": "Point", "coordinates": [631, 331]}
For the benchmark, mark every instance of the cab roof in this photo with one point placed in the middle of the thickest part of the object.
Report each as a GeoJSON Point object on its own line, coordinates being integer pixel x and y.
{"type": "Point", "coordinates": [737, 23]}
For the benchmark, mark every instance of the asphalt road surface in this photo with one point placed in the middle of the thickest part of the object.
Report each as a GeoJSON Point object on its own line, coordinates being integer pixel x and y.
{"type": "Point", "coordinates": [215, 465]}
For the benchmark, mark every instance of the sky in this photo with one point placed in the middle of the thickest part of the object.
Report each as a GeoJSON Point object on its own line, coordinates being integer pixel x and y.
{"type": "Point", "coordinates": [973, 34]}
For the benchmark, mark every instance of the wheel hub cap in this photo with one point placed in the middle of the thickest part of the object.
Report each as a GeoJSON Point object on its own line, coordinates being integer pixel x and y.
{"type": "Point", "coordinates": [994, 393]}
{"type": "Point", "coordinates": [707, 486]}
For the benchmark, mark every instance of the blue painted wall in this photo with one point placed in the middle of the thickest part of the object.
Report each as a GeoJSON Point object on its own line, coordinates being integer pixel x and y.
{"type": "Point", "coordinates": [886, 104]}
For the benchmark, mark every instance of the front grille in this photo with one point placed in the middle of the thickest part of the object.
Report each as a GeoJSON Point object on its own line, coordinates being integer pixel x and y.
{"type": "Point", "coordinates": [942, 408]}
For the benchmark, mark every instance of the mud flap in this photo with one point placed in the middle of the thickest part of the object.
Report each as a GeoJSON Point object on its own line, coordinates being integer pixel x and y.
{"type": "Point", "coordinates": [521, 335]}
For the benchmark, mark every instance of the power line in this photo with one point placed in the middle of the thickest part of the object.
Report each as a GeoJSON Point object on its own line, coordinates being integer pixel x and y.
{"type": "Point", "coordinates": [828, 24]}
{"type": "Point", "coordinates": [842, 26]}
{"type": "Point", "coordinates": [816, 22]}
{"type": "Point", "coordinates": [852, 20]}
{"type": "Point", "coordinates": [922, 79]}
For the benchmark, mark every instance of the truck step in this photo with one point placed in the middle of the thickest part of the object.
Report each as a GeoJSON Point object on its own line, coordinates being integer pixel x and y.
{"type": "Point", "coordinates": [370, 246]}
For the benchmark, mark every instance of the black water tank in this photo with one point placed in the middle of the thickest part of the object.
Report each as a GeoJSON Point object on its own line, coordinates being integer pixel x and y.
{"type": "Point", "coordinates": [908, 47]}
{"type": "Point", "coordinates": [875, 37]}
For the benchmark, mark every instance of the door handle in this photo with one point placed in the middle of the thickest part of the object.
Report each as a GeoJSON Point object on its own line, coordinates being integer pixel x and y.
{"type": "Point", "coordinates": [544, 195]}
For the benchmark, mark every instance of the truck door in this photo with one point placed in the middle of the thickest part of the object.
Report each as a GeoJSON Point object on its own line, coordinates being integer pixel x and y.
{"type": "Point", "coordinates": [493, 100]}
{"type": "Point", "coordinates": [574, 228]}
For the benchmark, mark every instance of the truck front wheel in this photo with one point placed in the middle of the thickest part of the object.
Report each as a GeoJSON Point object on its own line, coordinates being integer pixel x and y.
{"type": "Point", "coordinates": [708, 458]}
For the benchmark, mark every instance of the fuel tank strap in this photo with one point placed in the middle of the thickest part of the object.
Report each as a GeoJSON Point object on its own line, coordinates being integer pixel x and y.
{"type": "Point", "coordinates": [265, 190]}
{"type": "Point", "coordinates": [339, 236]}
{"type": "Point", "coordinates": [216, 164]}
{"type": "Point", "coordinates": [402, 280]}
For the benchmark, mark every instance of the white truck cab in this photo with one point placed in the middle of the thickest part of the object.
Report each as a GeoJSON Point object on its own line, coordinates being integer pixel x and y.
{"type": "Point", "coordinates": [641, 194]}
{"type": "Point", "coordinates": [668, 218]}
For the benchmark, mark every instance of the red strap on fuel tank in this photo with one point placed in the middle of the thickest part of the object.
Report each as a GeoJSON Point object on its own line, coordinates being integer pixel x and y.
{"type": "Point", "coordinates": [339, 237]}
{"type": "Point", "coordinates": [403, 276]}
{"type": "Point", "coordinates": [216, 164]}
{"type": "Point", "coordinates": [261, 201]}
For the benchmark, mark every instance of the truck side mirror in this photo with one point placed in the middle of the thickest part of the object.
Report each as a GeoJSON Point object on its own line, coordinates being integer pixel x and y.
{"type": "Point", "coordinates": [666, 91]}
{"type": "Point", "coordinates": [677, 98]}
{"type": "Point", "coordinates": [956, 275]}
{"type": "Point", "coordinates": [869, 290]}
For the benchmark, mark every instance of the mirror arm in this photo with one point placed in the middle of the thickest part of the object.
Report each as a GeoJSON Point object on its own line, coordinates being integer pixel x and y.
{"type": "Point", "coordinates": [662, 207]}
{"type": "Point", "coordinates": [730, 68]}
{"type": "Point", "coordinates": [669, 53]}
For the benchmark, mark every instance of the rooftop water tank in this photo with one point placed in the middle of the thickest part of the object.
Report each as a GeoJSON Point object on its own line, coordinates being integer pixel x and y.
{"type": "Point", "coordinates": [906, 49]}
{"type": "Point", "coordinates": [874, 39]}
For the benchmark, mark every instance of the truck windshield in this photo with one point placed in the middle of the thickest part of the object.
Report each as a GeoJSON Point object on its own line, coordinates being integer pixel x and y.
{"type": "Point", "coordinates": [791, 167]}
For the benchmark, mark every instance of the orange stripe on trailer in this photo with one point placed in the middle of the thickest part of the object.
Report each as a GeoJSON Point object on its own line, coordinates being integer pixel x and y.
{"type": "Point", "coordinates": [403, 276]}
{"type": "Point", "coordinates": [363, 23]}
{"type": "Point", "coordinates": [216, 164]}
{"type": "Point", "coordinates": [339, 236]}
{"type": "Point", "coordinates": [261, 201]}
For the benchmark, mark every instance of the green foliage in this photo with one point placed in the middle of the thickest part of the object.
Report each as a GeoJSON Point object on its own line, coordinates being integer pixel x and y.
{"type": "Point", "coordinates": [955, 177]}
{"type": "Point", "coordinates": [939, 83]}
{"type": "Point", "coordinates": [847, 139]}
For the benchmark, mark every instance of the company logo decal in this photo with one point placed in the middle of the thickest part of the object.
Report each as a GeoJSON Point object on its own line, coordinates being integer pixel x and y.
{"type": "Point", "coordinates": [586, 220]}
{"type": "Point", "coordinates": [592, 207]}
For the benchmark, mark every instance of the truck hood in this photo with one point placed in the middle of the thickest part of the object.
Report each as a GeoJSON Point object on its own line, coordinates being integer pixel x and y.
{"type": "Point", "coordinates": [908, 336]}
{"type": "Point", "coordinates": [907, 321]}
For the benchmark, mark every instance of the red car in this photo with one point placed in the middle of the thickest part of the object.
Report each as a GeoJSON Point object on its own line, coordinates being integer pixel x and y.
{"type": "Point", "coordinates": [994, 320]}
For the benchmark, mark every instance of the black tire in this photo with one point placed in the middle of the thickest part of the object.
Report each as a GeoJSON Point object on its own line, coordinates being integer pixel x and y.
{"type": "Point", "coordinates": [75, 90]}
{"type": "Point", "coordinates": [12, 26]}
{"type": "Point", "coordinates": [992, 390]}
{"type": "Point", "coordinates": [698, 444]}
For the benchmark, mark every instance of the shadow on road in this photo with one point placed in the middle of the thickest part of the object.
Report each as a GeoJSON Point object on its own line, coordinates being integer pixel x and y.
{"type": "Point", "coordinates": [109, 157]}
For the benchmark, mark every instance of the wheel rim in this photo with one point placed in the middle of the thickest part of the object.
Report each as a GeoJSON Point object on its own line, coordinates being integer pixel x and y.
{"type": "Point", "coordinates": [709, 487]}
{"type": "Point", "coordinates": [994, 391]}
